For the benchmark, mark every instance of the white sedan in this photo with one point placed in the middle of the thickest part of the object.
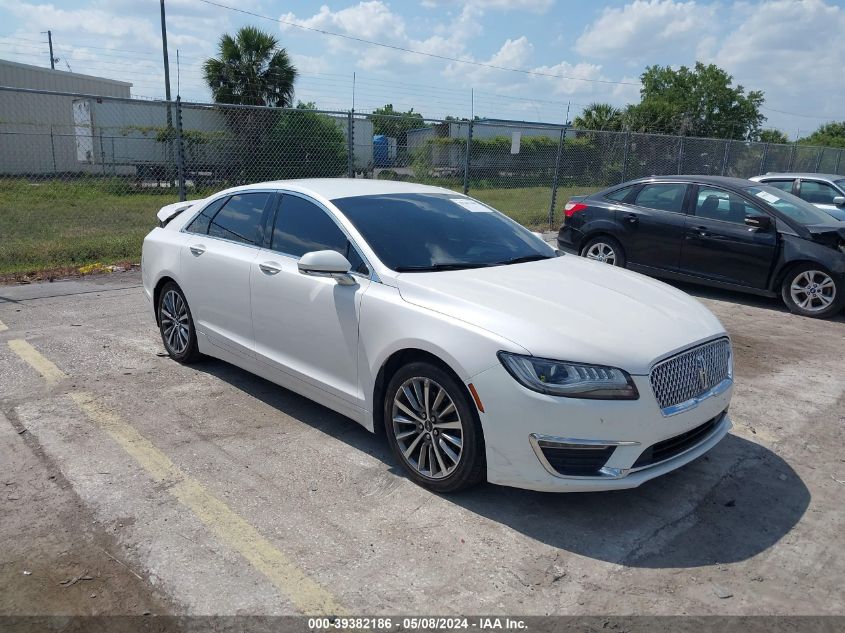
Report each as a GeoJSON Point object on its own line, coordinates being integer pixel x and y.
{"type": "Point", "coordinates": [430, 317]}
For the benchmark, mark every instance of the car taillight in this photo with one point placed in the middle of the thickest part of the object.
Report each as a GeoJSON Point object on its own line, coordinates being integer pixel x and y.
{"type": "Point", "coordinates": [572, 208]}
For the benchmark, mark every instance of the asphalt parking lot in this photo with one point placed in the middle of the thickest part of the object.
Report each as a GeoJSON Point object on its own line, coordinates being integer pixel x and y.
{"type": "Point", "coordinates": [134, 485]}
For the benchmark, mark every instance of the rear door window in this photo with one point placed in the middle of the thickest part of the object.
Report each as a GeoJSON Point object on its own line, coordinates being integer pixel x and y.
{"type": "Point", "coordinates": [201, 222]}
{"type": "Point", "coordinates": [783, 185]}
{"type": "Point", "coordinates": [240, 218]}
{"type": "Point", "coordinates": [620, 194]}
{"type": "Point", "coordinates": [817, 192]}
{"type": "Point", "coordinates": [663, 197]}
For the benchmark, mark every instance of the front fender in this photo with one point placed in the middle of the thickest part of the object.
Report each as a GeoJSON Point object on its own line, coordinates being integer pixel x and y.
{"type": "Point", "coordinates": [389, 324]}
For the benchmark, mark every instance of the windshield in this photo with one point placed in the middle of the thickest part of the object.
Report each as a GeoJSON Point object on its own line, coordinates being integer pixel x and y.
{"type": "Point", "coordinates": [430, 231]}
{"type": "Point", "coordinates": [841, 183]}
{"type": "Point", "coordinates": [791, 206]}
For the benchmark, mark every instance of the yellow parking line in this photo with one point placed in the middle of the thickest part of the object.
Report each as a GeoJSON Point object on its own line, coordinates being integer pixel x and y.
{"type": "Point", "coordinates": [46, 368]}
{"type": "Point", "coordinates": [306, 595]}
{"type": "Point", "coordinates": [3, 327]}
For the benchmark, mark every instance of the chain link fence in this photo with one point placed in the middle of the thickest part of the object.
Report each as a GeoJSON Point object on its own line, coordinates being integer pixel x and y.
{"type": "Point", "coordinates": [81, 176]}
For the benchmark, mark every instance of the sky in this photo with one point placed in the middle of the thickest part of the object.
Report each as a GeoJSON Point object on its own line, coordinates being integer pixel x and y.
{"type": "Point", "coordinates": [575, 52]}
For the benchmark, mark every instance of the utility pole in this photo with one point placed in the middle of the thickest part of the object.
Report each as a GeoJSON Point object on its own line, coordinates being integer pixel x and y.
{"type": "Point", "coordinates": [164, 52]}
{"type": "Point", "coordinates": [50, 42]}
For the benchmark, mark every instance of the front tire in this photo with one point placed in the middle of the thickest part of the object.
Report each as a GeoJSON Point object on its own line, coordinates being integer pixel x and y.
{"type": "Point", "coordinates": [433, 428]}
{"type": "Point", "coordinates": [605, 249]}
{"type": "Point", "coordinates": [177, 325]}
{"type": "Point", "coordinates": [810, 290]}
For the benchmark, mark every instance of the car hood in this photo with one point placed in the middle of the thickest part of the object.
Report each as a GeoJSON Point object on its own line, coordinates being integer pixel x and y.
{"type": "Point", "coordinates": [569, 308]}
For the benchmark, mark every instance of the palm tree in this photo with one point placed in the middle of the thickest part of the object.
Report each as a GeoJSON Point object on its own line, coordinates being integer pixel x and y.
{"type": "Point", "coordinates": [251, 70]}
{"type": "Point", "coordinates": [599, 116]}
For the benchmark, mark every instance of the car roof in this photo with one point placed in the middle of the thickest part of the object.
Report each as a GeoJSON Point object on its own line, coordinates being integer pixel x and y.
{"type": "Point", "coordinates": [710, 180]}
{"type": "Point", "coordinates": [800, 174]}
{"type": "Point", "coordinates": [335, 188]}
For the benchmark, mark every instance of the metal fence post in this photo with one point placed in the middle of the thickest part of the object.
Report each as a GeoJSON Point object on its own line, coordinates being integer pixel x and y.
{"type": "Point", "coordinates": [680, 155]}
{"type": "Point", "coordinates": [466, 158]}
{"type": "Point", "coordinates": [350, 145]}
{"type": "Point", "coordinates": [53, 147]}
{"type": "Point", "coordinates": [555, 177]}
{"type": "Point", "coordinates": [625, 150]}
{"type": "Point", "coordinates": [727, 156]}
{"type": "Point", "coordinates": [838, 160]}
{"type": "Point", "coordinates": [791, 157]}
{"type": "Point", "coordinates": [764, 158]}
{"type": "Point", "coordinates": [180, 151]}
{"type": "Point", "coordinates": [819, 160]}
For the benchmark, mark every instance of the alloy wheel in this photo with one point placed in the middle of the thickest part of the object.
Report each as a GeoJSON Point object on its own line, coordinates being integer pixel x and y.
{"type": "Point", "coordinates": [175, 322]}
{"type": "Point", "coordinates": [813, 290]}
{"type": "Point", "coordinates": [427, 427]}
{"type": "Point", "coordinates": [601, 252]}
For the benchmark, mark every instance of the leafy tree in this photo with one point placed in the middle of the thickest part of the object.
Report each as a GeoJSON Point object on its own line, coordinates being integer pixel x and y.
{"type": "Point", "coordinates": [773, 136]}
{"type": "Point", "coordinates": [701, 101]}
{"type": "Point", "coordinates": [251, 69]}
{"type": "Point", "coordinates": [599, 116]}
{"type": "Point", "coordinates": [303, 143]}
{"type": "Point", "coordinates": [830, 135]}
{"type": "Point", "coordinates": [390, 122]}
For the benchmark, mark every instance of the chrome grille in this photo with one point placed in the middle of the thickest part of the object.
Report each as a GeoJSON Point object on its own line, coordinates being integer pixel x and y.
{"type": "Point", "coordinates": [691, 373]}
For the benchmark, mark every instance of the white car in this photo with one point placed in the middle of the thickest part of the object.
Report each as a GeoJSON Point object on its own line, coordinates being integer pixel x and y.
{"type": "Point", "coordinates": [431, 317]}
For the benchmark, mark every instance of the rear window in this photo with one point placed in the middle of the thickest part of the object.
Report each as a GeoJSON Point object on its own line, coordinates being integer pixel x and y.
{"type": "Point", "coordinates": [620, 194]}
{"type": "Point", "coordinates": [663, 197]}
{"type": "Point", "coordinates": [240, 218]}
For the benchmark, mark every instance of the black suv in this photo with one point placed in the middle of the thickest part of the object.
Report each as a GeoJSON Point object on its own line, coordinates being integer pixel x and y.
{"type": "Point", "coordinates": [725, 232]}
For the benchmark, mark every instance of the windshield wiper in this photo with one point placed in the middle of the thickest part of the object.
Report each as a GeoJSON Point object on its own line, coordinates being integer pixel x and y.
{"type": "Point", "coordinates": [521, 260]}
{"type": "Point", "coordinates": [433, 267]}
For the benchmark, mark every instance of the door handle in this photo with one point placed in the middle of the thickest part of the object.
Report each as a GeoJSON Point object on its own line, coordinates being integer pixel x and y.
{"type": "Point", "coordinates": [269, 268]}
{"type": "Point", "coordinates": [631, 219]}
{"type": "Point", "coordinates": [197, 250]}
{"type": "Point", "coordinates": [702, 231]}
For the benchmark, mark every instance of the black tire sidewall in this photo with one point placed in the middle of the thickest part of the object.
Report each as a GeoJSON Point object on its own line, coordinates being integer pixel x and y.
{"type": "Point", "coordinates": [471, 469]}
{"type": "Point", "coordinates": [610, 241]}
{"type": "Point", "coordinates": [191, 352]}
{"type": "Point", "coordinates": [788, 278]}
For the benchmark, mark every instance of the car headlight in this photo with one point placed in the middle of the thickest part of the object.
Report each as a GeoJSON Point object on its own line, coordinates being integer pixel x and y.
{"type": "Point", "coordinates": [572, 380]}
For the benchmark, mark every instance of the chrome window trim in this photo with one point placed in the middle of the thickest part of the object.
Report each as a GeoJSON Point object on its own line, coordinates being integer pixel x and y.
{"type": "Point", "coordinates": [373, 276]}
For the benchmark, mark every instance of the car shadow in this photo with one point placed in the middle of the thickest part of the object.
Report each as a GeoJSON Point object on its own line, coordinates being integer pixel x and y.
{"type": "Point", "coordinates": [728, 506]}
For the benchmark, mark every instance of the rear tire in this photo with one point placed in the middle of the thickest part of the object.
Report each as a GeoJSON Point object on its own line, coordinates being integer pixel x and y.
{"type": "Point", "coordinates": [606, 249]}
{"type": "Point", "coordinates": [177, 325]}
{"type": "Point", "coordinates": [433, 429]}
{"type": "Point", "coordinates": [812, 291]}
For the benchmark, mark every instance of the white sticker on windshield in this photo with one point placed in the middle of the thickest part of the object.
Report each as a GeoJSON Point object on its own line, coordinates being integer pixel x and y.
{"type": "Point", "coordinates": [472, 205]}
{"type": "Point", "coordinates": [768, 197]}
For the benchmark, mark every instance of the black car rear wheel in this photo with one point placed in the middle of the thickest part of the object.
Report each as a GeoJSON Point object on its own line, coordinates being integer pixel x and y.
{"type": "Point", "coordinates": [810, 290]}
{"type": "Point", "coordinates": [605, 249]}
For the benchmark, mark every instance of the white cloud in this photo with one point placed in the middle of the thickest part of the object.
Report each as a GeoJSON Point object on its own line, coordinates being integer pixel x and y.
{"type": "Point", "coordinates": [371, 20]}
{"type": "Point", "coordinates": [645, 28]}
{"type": "Point", "coordinates": [536, 6]}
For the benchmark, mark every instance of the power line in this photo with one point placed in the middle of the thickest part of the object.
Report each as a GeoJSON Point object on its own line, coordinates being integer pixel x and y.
{"type": "Point", "coordinates": [416, 52]}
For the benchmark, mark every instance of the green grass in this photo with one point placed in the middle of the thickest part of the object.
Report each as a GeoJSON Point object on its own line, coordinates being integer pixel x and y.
{"type": "Point", "coordinates": [53, 224]}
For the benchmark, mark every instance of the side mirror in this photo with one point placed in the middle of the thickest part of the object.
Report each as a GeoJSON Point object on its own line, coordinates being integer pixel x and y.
{"type": "Point", "coordinates": [326, 264]}
{"type": "Point", "coordinates": [759, 222]}
{"type": "Point", "coordinates": [839, 201]}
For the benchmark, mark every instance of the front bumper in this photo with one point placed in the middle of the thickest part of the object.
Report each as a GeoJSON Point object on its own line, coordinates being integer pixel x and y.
{"type": "Point", "coordinates": [520, 426]}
